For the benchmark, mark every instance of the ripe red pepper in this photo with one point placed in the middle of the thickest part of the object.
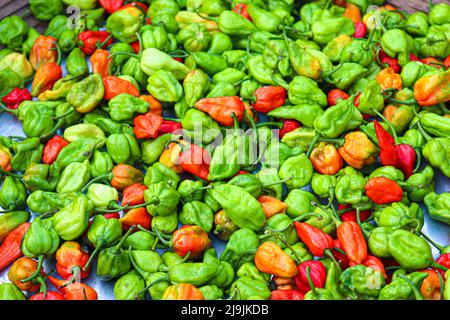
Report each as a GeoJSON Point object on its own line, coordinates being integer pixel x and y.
{"type": "Point", "coordinates": [288, 126]}
{"type": "Point", "coordinates": [360, 30]}
{"type": "Point", "coordinates": [90, 40]}
{"type": "Point", "coordinates": [269, 98]}
{"type": "Point", "coordinates": [413, 57]}
{"type": "Point", "coordinates": [222, 109]}
{"type": "Point", "coordinates": [168, 126]}
{"type": "Point", "coordinates": [53, 148]}
{"type": "Point", "coordinates": [382, 190]}
{"type": "Point", "coordinates": [49, 295]}
{"type": "Point", "coordinates": [444, 260]}
{"type": "Point", "coordinates": [11, 248]}
{"type": "Point", "coordinates": [433, 62]}
{"type": "Point", "coordinates": [318, 274]}
{"type": "Point", "coordinates": [315, 239]}
{"type": "Point", "coordinates": [401, 156]}
{"type": "Point", "coordinates": [242, 9]}
{"type": "Point", "coordinates": [352, 241]}
{"type": "Point", "coordinates": [75, 290]}
{"type": "Point", "coordinates": [195, 160]}
{"type": "Point", "coordinates": [70, 261]}
{"type": "Point", "coordinates": [335, 95]}
{"type": "Point", "coordinates": [447, 62]}
{"type": "Point", "coordinates": [136, 46]}
{"type": "Point", "coordinates": [191, 239]}
{"type": "Point", "coordinates": [135, 217]}
{"type": "Point", "coordinates": [111, 6]}
{"type": "Point", "coordinates": [147, 125]}
{"type": "Point", "coordinates": [388, 61]}
{"type": "Point", "coordinates": [286, 295]}
{"type": "Point", "coordinates": [13, 99]}
{"type": "Point", "coordinates": [351, 215]}
{"type": "Point", "coordinates": [134, 194]}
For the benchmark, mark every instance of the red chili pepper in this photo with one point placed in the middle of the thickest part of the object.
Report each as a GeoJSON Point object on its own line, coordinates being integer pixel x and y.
{"type": "Point", "coordinates": [382, 190]}
{"type": "Point", "coordinates": [136, 46]}
{"type": "Point", "coordinates": [222, 109]}
{"type": "Point", "coordinates": [447, 62]}
{"type": "Point", "coordinates": [178, 59]}
{"type": "Point", "coordinates": [71, 260]}
{"type": "Point", "coordinates": [242, 9]}
{"type": "Point", "coordinates": [89, 41]}
{"type": "Point", "coordinates": [288, 126]}
{"type": "Point", "coordinates": [401, 156]}
{"type": "Point", "coordinates": [11, 248]}
{"type": "Point", "coordinates": [75, 290]}
{"type": "Point", "coordinates": [134, 194]}
{"type": "Point", "coordinates": [433, 62]}
{"type": "Point", "coordinates": [49, 295]}
{"type": "Point", "coordinates": [444, 260]}
{"type": "Point", "coordinates": [53, 148]}
{"type": "Point", "coordinates": [111, 6]}
{"type": "Point", "coordinates": [318, 274]}
{"type": "Point", "coordinates": [286, 295]}
{"type": "Point", "coordinates": [352, 241]}
{"type": "Point", "coordinates": [168, 126]}
{"type": "Point", "coordinates": [413, 57]}
{"type": "Point", "coordinates": [191, 239]}
{"type": "Point", "coordinates": [147, 126]}
{"type": "Point", "coordinates": [315, 239]}
{"type": "Point", "coordinates": [335, 95]}
{"type": "Point", "coordinates": [360, 30]}
{"type": "Point", "coordinates": [269, 98]}
{"type": "Point", "coordinates": [195, 160]}
{"type": "Point", "coordinates": [372, 262]}
{"type": "Point", "coordinates": [351, 215]}
{"type": "Point", "coordinates": [391, 62]}
{"type": "Point", "coordinates": [113, 215]}
{"type": "Point", "coordinates": [13, 99]}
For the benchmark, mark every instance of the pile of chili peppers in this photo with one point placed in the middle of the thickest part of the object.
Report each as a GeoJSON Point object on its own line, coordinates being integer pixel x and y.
{"type": "Point", "coordinates": [348, 109]}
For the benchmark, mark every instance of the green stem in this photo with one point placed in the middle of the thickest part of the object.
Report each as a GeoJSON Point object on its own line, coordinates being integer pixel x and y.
{"type": "Point", "coordinates": [338, 142]}
{"type": "Point", "coordinates": [311, 283]}
{"type": "Point", "coordinates": [101, 177]}
{"type": "Point", "coordinates": [414, 288]}
{"type": "Point", "coordinates": [433, 243]}
{"type": "Point", "coordinates": [15, 112]}
{"type": "Point", "coordinates": [133, 55]}
{"type": "Point", "coordinates": [38, 269]}
{"type": "Point", "coordinates": [358, 219]}
{"type": "Point", "coordinates": [126, 207]}
{"type": "Point", "coordinates": [277, 182]}
{"type": "Point", "coordinates": [407, 102]}
{"type": "Point", "coordinates": [313, 143]}
{"type": "Point", "coordinates": [439, 266]}
{"type": "Point", "coordinates": [270, 123]}
{"type": "Point", "coordinates": [119, 246]}
{"type": "Point", "coordinates": [335, 217]}
{"type": "Point", "coordinates": [394, 134]}
{"type": "Point", "coordinates": [161, 238]}
{"type": "Point", "coordinates": [91, 258]}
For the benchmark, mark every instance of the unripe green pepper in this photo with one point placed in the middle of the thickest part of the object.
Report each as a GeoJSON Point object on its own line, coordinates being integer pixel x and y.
{"type": "Point", "coordinates": [195, 86]}
{"type": "Point", "coordinates": [123, 148]}
{"type": "Point", "coordinates": [13, 30]}
{"type": "Point", "coordinates": [436, 151]}
{"type": "Point", "coordinates": [281, 222]}
{"type": "Point", "coordinates": [13, 194]}
{"type": "Point", "coordinates": [86, 94]}
{"type": "Point", "coordinates": [164, 86]}
{"type": "Point", "coordinates": [194, 37]}
{"type": "Point", "coordinates": [249, 270]}
{"type": "Point", "coordinates": [350, 189]}
{"type": "Point", "coordinates": [9, 291]}
{"type": "Point", "coordinates": [299, 202]}
{"type": "Point", "coordinates": [156, 291]}
{"type": "Point", "coordinates": [400, 216]}
{"type": "Point", "coordinates": [72, 221]}
{"type": "Point", "coordinates": [438, 206]}
{"type": "Point", "coordinates": [145, 262]}
{"type": "Point", "coordinates": [11, 220]}
{"type": "Point", "coordinates": [234, 24]}
{"type": "Point", "coordinates": [165, 199]}
{"type": "Point", "coordinates": [102, 195]}
{"type": "Point", "coordinates": [160, 173]}
{"type": "Point", "coordinates": [190, 190]}
{"type": "Point", "coordinates": [399, 289]}
{"type": "Point", "coordinates": [225, 276]}
{"type": "Point", "coordinates": [191, 123]}
{"type": "Point", "coordinates": [197, 213]}
{"type": "Point", "coordinates": [84, 130]}
{"type": "Point", "coordinates": [299, 169]}
{"type": "Point", "coordinates": [151, 150]}
{"type": "Point", "coordinates": [76, 63]}
{"type": "Point", "coordinates": [439, 14]}
{"type": "Point", "coordinates": [154, 60]}
{"type": "Point", "coordinates": [389, 172]}
{"type": "Point", "coordinates": [128, 286]}
{"type": "Point", "coordinates": [124, 23]}
{"type": "Point", "coordinates": [378, 242]}
{"type": "Point", "coordinates": [409, 250]}
{"type": "Point", "coordinates": [123, 106]}
{"type": "Point", "coordinates": [361, 282]}
{"type": "Point", "coordinates": [298, 252]}
{"type": "Point", "coordinates": [323, 185]}
{"type": "Point", "coordinates": [114, 261]}
{"type": "Point", "coordinates": [74, 177]}
{"type": "Point", "coordinates": [211, 292]}
{"type": "Point", "coordinates": [240, 248]}
{"type": "Point", "coordinates": [250, 289]}
{"type": "Point", "coordinates": [140, 240]}
{"type": "Point", "coordinates": [220, 42]}
{"type": "Point", "coordinates": [100, 164]}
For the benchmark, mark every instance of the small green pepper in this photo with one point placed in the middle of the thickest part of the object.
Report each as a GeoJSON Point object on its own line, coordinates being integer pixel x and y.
{"type": "Point", "coordinates": [72, 221]}
{"type": "Point", "coordinates": [438, 206]}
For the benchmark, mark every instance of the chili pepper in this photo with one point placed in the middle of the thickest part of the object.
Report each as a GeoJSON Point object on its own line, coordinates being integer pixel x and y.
{"type": "Point", "coordinates": [430, 90]}
{"type": "Point", "coordinates": [325, 159]}
{"type": "Point", "coordinates": [100, 62]}
{"type": "Point", "coordinates": [399, 287]}
{"type": "Point", "coordinates": [45, 78]}
{"type": "Point", "coordinates": [286, 295]}
{"type": "Point", "coordinates": [14, 98]}
{"type": "Point", "coordinates": [115, 86]}
{"type": "Point", "coordinates": [437, 206]}
{"type": "Point", "coordinates": [49, 295]}
{"type": "Point", "coordinates": [376, 190]}
{"type": "Point", "coordinates": [9, 291]}
{"type": "Point", "coordinates": [317, 273]}
{"type": "Point", "coordinates": [125, 22]}
{"type": "Point", "coordinates": [269, 98]}
{"type": "Point", "coordinates": [270, 258]}
{"type": "Point", "coordinates": [352, 241]}
{"type": "Point", "coordinates": [389, 79]}
{"type": "Point", "coordinates": [91, 40]}
{"type": "Point", "coordinates": [111, 5]}
{"type": "Point", "coordinates": [221, 109]}
{"type": "Point", "coordinates": [70, 261]}
{"type": "Point", "coordinates": [182, 291]}
{"type": "Point", "coordinates": [248, 288]}
{"type": "Point", "coordinates": [43, 52]}
{"type": "Point", "coordinates": [128, 286]}
{"type": "Point", "coordinates": [75, 290]}
{"type": "Point", "coordinates": [315, 239]}
{"type": "Point", "coordinates": [354, 282]}
{"type": "Point", "coordinates": [13, 31]}
{"type": "Point", "coordinates": [10, 250]}
{"type": "Point", "coordinates": [52, 148]}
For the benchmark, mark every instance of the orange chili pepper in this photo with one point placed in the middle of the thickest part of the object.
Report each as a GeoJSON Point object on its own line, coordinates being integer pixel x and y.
{"type": "Point", "coordinates": [45, 78]}
{"type": "Point", "coordinates": [382, 190]}
{"type": "Point", "coordinates": [5, 158]}
{"type": "Point", "coordinates": [43, 51]}
{"type": "Point", "coordinates": [135, 217]}
{"type": "Point", "coordinates": [325, 159]}
{"type": "Point", "coordinates": [182, 291]}
{"type": "Point", "coordinates": [222, 109]}
{"type": "Point", "coordinates": [433, 62]}
{"type": "Point", "coordinates": [271, 259]}
{"type": "Point", "coordinates": [272, 206]}
{"type": "Point", "coordinates": [100, 62]}
{"type": "Point", "coordinates": [447, 62]}
{"type": "Point", "coordinates": [11, 248]}
{"type": "Point", "coordinates": [353, 13]}
{"type": "Point", "coordinates": [125, 175]}
{"type": "Point", "coordinates": [317, 241]}
{"type": "Point", "coordinates": [147, 125]}
{"type": "Point", "coordinates": [358, 151]}
{"type": "Point", "coordinates": [71, 260]}
{"type": "Point", "coordinates": [115, 86]}
{"type": "Point", "coordinates": [155, 106]}
{"type": "Point", "coordinates": [171, 157]}
{"type": "Point", "coordinates": [352, 241]}
{"type": "Point", "coordinates": [75, 290]}
{"type": "Point", "coordinates": [431, 286]}
{"type": "Point", "coordinates": [52, 148]}
{"type": "Point", "coordinates": [433, 89]}
{"type": "Point", "coordinates": [269, 98]}
{"type": "Point", "coordinates": [191, 239]}
{"type": "Point", "coordinates": [23, 268]}
{"type": "Point", "coordinates": [283, 284]}
{"type": "Point", "coordinates": [388, 79]}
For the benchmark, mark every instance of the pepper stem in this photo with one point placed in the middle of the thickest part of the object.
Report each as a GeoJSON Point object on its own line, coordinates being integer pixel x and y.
{"type": "Point", "coordinates": [311, 283]}
{"type": "Point", "coordinates": [91, 258]}
{"type": "Point", "coordinates": [161, 238]}
{"type": "Point", "coordinates": [119, 246]}
{"type": "Point", "coordinates": [270, 123]}
{"type": "Point", "coordinates": [439, 266]}
{"type": "Point", "coordinates": [358, 219]}
{"type": "Point", "coordinates": [335, 217]}
{"type": "Point", "coordinates": [127, 207]}
{"type": "Point", "coordinates": [394, 134]}
{"type": "Point", "coordinates": [12, 111]}
{"type": "Point", "coordinates": [433, 243]}
{"type": "Point", "coordinates": [38, 269]}
{"type": "Point", "coordinates": [101, 177]}
{"type": "Point", "coordinates": [414, 288]}
{"type": "Point", "coordinates": [407, 102]}
{"type": "Point", "coordinates": [313, 143]}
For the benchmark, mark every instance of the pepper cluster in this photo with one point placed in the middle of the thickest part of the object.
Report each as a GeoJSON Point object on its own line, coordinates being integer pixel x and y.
{"type": "Point", "coordinates": [359, 97]}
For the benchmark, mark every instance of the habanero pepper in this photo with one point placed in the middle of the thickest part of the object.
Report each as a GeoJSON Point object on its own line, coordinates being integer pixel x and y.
{"type": "Point", "coordinates": [271, 259]}
{"type": "Point", "coordinates": [222, 109]}
{"type": "Point", "coordinates": [71, 260]}
{"type": "Point", "coordinates": [335, 95]}
{"type": "Point", "coordinates": [326, 159]}
{"type": "Point", "coordinates": [352, 241]}
{"type": "Point", "coordinates": [242, 9]}
{"type": "Point", "coordinates": [124, 175]}
{"type": "Point", "coordinates": [13, 99]}
{"type": "Point", "coordinates": [433, 89]}
{"type": "Point", "coordinates": [286, 295]}
{"type": "Point", "coordinates": [389, 79]}
{"type": "Point", "coordinates": [90, 40]}
{"type": "Point", "coordinates": [136, 217]}
{"type": "Point", "coordinates": [374, 263]}
{"type": "Point", "coordinates": [45, 78]}
{"type": "Point", "coordinates": [195, 160]}
{"type": "Point", "coordinates": [318, 274]}
{"type": "Point", "coordinates": [190, 239]}
{"type": "Point", "coordinates": [111, 6]}
{"type": "Point", "coordinates": [114, 86]}
{"type": "Point", "coordinates": [382, 190]}
{"type": "Point", "coordinates": [49, 295]}
{"type": "Point", "coordinates": [288, 126]}
{"type": "Point", "coordinates": [100, 62]}
{"type": "Point", "coordinates": [147, 126]}
{"type": "Point", "coordinates": [74, 291]}
{"type": "Point", "coordinates": [169, 126]}
{"type": "Point", "coordinates": [318, 242]}
{"type": "Point", "coordinates": [10, 250]}
{"type": "Point", "coordinates": [269, 98]}
{"type": "Point", "coordinates": [53, 148]}
{"type": "Point", "coordinates": [43, 51]}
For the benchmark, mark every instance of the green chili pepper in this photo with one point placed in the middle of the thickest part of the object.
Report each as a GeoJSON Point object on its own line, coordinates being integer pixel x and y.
{"type": "Point", "coordinates": [195, 86]}
{"type": "Point", "coordinates": [436, 151]}
{"type": "Point", "coordinates": [225, 275]}
{"type": "Point", "coordinates": [299, 169]}
{"type": "Point", "coordinates": [151, 150]}
{"type": "Point", "coordinates": [299, 202]}
{"type": "Point", "coordinates": [410, 251]}
{"type": "Point", "coordinates": [123, 148]}
{"type": "Point", "coordinates": [13, 194]}
{"type": "Point", "coordinates": [27, 151]}
{"type": "Point", "coordinates": [9, 291]}
{"type": "Point", "coordinates": [250, 289]}
{"type": "Point", "coordinates": [159, 172]}
{"type": "Point", "coordinates": [72, 221]}
{"type": "Point", "coordinates": [438, 206]}
{"type": "Point", "coordinates": [399, 289]}
{"type": "Point", "coordinates": [209, 63]}
{"type": "Point", "coordinates": [165, 199]}
{"type": "Point", "coordinates": [128, 286]}
{"type": "Point", "coordinates": [241, 247]}
{"type": "Point", "coordinates": [361, 282]}
{"type": "Point", "coordinates": [13, 30]}
{"type": "Point", "coordinates": [197, 213]}
{"type": "Point", "coordinates": [86, 94]}
{"type": "Point", "coordinates": [164, 86]}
